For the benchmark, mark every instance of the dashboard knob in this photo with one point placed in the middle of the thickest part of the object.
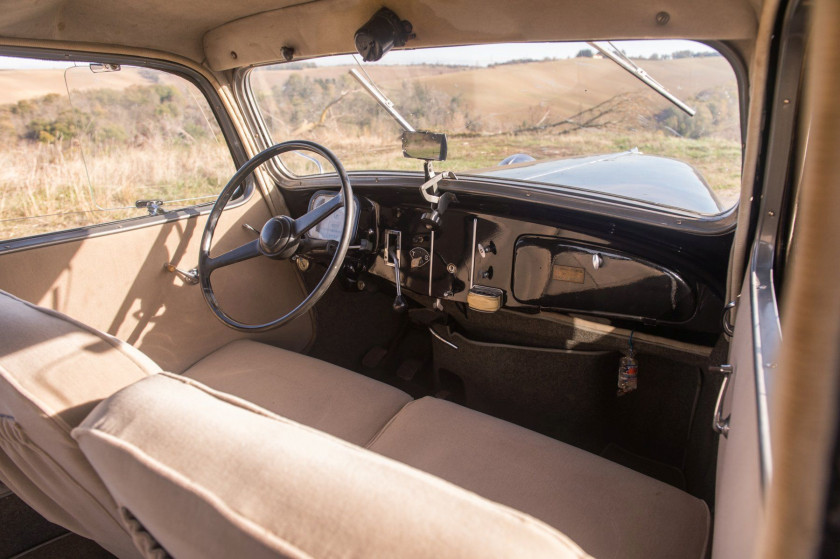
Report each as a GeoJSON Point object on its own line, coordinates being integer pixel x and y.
{"type": "Point", "coordinates": [431, 220]}
{"type": "Point", "coordinates": [489, 248]}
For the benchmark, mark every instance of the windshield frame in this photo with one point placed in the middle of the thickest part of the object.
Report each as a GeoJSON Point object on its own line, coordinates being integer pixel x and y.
{"type": "Point", "coordinates": [287, 180]}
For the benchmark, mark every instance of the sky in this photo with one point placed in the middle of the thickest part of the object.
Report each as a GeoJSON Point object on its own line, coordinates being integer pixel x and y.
{"type": "Point", "coordinates": [484, 54]}
{"type": "Point", "coordinates": [10, 63]}
{"type": "Point", "coordinates": [479, 55]}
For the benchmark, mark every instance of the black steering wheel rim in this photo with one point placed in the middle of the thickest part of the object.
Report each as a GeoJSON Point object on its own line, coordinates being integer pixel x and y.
{"type": "Point", "coordinates": [206, 264]}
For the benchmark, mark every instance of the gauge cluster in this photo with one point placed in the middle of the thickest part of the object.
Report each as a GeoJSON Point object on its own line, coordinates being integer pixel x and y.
{"type": "Point", "coordinates": [330, 229]}
{"type": "Point", "coordinates": [364, 240]}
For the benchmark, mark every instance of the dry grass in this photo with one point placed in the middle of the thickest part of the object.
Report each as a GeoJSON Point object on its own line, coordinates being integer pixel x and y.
{"type": "Point", "coordinates": [717, 159]}
{"type": "Point", "coordinates": [529, 108]}
{"type": "Point", "coordinates": [46, 180]}
{"type": "Point", "coordinates": [49, 181]}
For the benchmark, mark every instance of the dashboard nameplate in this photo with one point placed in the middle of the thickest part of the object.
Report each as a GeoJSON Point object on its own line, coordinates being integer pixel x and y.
{"type": "Point", "coordinates": [568, 273]}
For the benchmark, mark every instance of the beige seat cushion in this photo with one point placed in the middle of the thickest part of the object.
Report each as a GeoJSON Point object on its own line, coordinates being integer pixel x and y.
{"type": "Point", "coordinates": [329, 398]}
{"type": "Point", "coordinates": [53, 371]}
{"type": "Point", "coordinates": [209, 475]}
{"type": "Point", "coordinates": [609, 510]}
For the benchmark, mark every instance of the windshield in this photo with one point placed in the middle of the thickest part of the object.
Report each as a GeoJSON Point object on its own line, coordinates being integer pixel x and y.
{"type": "Point", "coordinates": [553, 114]}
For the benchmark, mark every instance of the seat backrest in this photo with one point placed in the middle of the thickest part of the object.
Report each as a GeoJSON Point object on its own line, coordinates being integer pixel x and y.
{"type": "Point", "coordinates": [53, 372]}
{"type": "Point", "coordinates": [205, 474]}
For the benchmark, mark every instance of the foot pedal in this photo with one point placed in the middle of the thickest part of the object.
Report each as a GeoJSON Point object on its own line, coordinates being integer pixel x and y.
{"type": "Point", "coordinates": [408, 369]}
{"type": "Point", "coordinates": [374, 357]}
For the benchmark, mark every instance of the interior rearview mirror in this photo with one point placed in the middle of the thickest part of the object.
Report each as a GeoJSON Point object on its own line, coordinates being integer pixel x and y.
{"type": "Point", "coordinates": [429, 146]}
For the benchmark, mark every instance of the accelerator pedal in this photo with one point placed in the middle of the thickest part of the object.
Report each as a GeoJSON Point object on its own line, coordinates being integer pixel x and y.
{"type": "Point", "coordinates": [373, 358]}
{"type": "Point", "coordinates": [408, 369]}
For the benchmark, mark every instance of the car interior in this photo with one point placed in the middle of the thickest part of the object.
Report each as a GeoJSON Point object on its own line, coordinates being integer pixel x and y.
{"type": "Point", "coordinates": [422, 279]}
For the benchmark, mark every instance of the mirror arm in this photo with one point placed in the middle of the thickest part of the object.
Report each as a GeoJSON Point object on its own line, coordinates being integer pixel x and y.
{"type": "Point", "coordinates": [429, 189]}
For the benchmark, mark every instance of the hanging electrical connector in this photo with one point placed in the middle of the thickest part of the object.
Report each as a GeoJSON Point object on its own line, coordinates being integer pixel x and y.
{"type": "Point", "coordinates": [628, 370]}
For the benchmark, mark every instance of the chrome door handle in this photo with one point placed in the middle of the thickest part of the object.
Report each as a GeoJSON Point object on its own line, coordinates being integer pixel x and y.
{"type": "Point", "coordinates": [728, 327]}
{"type": "Point", "coordinates": [719, 424]}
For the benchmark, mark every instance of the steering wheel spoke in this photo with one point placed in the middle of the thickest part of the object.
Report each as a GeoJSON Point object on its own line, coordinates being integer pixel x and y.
{"type": "Point", "coordinates": [309, 220]}
{"type": "Point", "coordinates": [239, 254]}
{"type": "Point", "coordinates": [309, 245]}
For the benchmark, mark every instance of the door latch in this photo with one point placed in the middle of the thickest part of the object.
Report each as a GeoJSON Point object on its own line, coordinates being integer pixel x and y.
{"type": "Point", "coordinates": [154, 207]}
{"type": "Point", "coordinates": [726, 319]}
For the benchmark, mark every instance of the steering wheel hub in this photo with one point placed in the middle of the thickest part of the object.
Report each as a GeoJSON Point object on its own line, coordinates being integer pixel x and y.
{"type": "Point", "coordinates": [277, 238]}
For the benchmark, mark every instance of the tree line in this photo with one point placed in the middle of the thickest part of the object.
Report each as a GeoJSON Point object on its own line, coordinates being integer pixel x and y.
{"type": "Point", "coordinates": [107, 117]}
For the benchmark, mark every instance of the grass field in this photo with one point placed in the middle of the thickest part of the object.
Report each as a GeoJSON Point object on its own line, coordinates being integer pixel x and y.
{"type": "Point", "coordinates": [513, 108]}
{"type": "Point", "coordinates": [717, 159]}
{"type": "Point", "coordinates": [48, 185]}
{"type": "Point", "coordinates": [68, 165]}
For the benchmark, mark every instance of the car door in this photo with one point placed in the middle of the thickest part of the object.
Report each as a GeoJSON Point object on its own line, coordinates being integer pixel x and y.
{"type": "Point", "coordinates": [112, 165]}
{"type": "Point", "coordinates": [745, 403]}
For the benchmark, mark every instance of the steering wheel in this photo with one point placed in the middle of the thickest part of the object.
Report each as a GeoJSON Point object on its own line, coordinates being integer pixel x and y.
{"type": "Point", "coordinates": [280, 238]}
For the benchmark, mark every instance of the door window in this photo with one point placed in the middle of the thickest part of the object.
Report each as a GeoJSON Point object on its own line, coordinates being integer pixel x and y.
{"type": "Point", "coordinates": [89, 143]}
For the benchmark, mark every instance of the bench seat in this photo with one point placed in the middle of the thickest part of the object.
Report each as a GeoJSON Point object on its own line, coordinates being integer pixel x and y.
{"type": "Point", "coordinates": [607, 509]}
{"type": "Point", "coordinates": [201, 473]}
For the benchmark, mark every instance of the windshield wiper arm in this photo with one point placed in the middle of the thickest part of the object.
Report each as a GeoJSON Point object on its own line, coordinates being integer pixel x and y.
{"type": "Point", "coordinates": [619, 58]}
{"type": "Point", "coordinates": [382, 100]}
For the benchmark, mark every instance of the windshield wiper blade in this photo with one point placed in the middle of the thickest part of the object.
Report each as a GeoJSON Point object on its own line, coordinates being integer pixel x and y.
{"type": "Point", "coordinates": [381, 99]}
{"type": "Point", "coordinates": [619, 58]}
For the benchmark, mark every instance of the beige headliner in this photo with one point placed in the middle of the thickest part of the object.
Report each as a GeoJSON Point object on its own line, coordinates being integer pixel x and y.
{"type": "Point", "coordinates": [208, 31]}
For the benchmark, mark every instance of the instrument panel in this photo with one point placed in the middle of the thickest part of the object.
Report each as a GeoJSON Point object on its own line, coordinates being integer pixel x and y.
{"type": "Point", "coordinates": [489, 262]}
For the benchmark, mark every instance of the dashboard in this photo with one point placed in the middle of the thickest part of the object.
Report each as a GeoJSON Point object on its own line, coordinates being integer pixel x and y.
{"type": "Point", "coordinates": [488, 261]}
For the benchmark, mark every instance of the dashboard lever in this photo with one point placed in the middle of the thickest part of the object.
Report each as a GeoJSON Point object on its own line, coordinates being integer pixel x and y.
{"type": "Point", "coordinates": [250, 228]}
{"type": "Point", "coordinates": [432, 219]}
{"type": "Point", "coordinates": [399, 302]}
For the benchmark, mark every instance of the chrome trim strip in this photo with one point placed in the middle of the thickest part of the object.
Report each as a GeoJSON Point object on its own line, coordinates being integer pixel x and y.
{"type": "Point", "coordinates": [397, 247]}
{"type": "Point", "coordinates": [442, 339]}
{"type": "Point", "coordinates": [472, 260]}
{"type": "Point", "coordinates": [431, 262]}
{"type": "Point", "coordinates": [766, 344]}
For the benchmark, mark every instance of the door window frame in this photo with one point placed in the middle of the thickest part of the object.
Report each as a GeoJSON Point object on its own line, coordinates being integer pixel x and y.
{"type": "Point", "coordinates": [232, 139]}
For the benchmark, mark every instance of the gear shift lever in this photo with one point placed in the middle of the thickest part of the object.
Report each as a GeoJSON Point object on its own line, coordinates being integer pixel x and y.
{"type": "Point", "coordinates": [399, 301]}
